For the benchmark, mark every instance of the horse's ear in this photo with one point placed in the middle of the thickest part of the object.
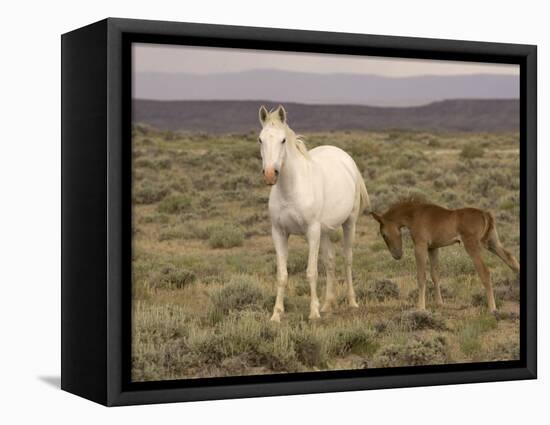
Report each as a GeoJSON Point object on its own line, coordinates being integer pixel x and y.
{"type": "Point", "coordinates": [281, 113]}
{"type": "Point", "coordinates": [262, 114]}
{"type": "Point", "coordinates": [377, 217]}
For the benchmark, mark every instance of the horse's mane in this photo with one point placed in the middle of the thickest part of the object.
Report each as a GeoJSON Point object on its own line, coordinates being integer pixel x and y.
{"type": "Point", "coordinates": [300, 144]}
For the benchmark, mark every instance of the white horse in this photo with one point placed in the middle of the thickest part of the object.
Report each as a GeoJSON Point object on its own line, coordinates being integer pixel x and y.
{"type": "Point", "coordinates": [314, 192]}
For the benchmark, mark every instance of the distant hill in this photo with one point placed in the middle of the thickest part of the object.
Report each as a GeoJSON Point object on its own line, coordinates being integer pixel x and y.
{"type": "Point", "coordinates": [324, 89]}
{"type": "Point", "coordinates": [242, 116]}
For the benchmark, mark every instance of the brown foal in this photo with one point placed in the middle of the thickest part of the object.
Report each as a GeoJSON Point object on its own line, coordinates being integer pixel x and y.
{"type": "Point", "coordinates": [432, 227]}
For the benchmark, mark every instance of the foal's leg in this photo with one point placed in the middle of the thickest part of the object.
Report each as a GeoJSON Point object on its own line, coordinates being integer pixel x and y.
{"type": "Point", "coordinates": [327, 252]}
{"type": "Point", "coordinates": [280, 239]}
{"type": "Point", "coordinates": [434, 272]}
{"type": "Point", "coordinates": [421, 254]}
{"type": "Point", "coordinates": [494, 246]}
{"type": "Point", "coordinates": [313, 240]}
{"type": "Point", "coordinates": [473, 248]}
{"type": "Point", "coordinates": [349, 237]}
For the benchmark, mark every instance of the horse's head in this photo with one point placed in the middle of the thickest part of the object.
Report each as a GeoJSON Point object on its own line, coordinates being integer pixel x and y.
{"type": "Point", "coordinates": [272, 142]}
{"type": "Point", "coordinates": [391, 233]}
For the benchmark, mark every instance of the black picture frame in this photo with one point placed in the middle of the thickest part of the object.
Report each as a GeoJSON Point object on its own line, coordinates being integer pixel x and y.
{"type": "Point", "coordinates": [96, 211]}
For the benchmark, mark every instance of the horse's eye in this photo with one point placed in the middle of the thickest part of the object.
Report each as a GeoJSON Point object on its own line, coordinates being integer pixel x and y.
{"type": "Point", "coordinates": [284, 140]}
{"type": "Point", "coordinates": [259, 141]}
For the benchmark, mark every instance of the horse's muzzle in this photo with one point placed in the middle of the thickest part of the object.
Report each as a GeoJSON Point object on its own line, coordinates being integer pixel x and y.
{"type": "Point", "coordinates": [270, 176]}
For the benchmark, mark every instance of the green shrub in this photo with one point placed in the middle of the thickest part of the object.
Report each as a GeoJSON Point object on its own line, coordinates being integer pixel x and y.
{"type": "Point", "coordinates": [157, 218]}
{"type": "Point", "coordinates": [382, 290]}
{"type": "Point", "coordinates": [508, 350]}
{"type": "Point", "coordinates": [415, 352]}
{"type": "Point", "coordinates": [225, 236]}
{"type": "Point", "coordinates": [449, 197]}
{"type": "Point", "coordinates": [240, 293]}
{"type": "Point", "coordinates": [279, 354]}
{"type": "Point", "coordinates": [507, 293]}
{"type": "Point", "coordinates": [297, 263]}
{"type": "Point", "coordinates": [471, 151]}
{"type": "Point", "coordinates": [446, 180]}
{"type": "Point", "coordinates": [403, 177]}
{"type": "Point", "coordinates": [336, 236]}
{"type": "Point", "coordinates": [147, 192]}
{"type": "Point", "coordinates": [470, 335]}
{"type": "Point", "coordinates": [163, 164]}
{"type": "Point", "coordinates": [170, 276]}
{"type": "Point", "coordinates": [239, 182]}
{"type": "Point", "coordinates": [239, 333]}
{"type": "Point", "coordinates": [156, 164]}
{"type": "Point", "coordinates": [352, 337]}
{"type": "Point", "coordinates": [170, 234]}
{"type": "Point", "coordinates": [310, 347]}
{"type": "Point", "coordinates": [510, 202]}
{"type": "Point", "coordinates": [141, 129]}
{"type": "Point", "coordinates": [175, 204]}
{"type": "Point", "coordinates": [410, 160]}
{"type": "Point", "coordinates": [421, 319]}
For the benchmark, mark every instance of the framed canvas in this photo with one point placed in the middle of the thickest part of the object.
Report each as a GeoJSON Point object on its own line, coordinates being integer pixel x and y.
{"type": "Point", "coordinates": [252, 212]}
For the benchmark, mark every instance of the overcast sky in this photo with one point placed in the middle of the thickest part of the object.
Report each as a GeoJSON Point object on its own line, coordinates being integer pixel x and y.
{"type": "Point", "coordinates": [210, 60]}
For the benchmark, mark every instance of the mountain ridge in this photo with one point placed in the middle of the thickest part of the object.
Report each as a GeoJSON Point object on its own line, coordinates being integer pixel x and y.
{"type": "Point", "coordinates": [234, 116]}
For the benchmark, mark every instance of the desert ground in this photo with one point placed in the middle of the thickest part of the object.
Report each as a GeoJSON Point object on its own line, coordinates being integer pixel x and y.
{"type": "Point", "coordinates": [204, 263]}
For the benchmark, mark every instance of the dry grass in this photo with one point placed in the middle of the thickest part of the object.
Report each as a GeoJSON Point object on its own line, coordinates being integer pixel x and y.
{"type": "Point", "coordinates": [204, 263]}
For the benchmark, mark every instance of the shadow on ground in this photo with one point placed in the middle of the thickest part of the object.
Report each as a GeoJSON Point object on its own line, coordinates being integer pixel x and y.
{"type": "Point", "coordinates": [54, 381]}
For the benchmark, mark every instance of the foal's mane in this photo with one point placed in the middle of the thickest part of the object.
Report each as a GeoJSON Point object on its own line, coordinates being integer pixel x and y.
{"type": "Point", "coordinates": [406, 203]}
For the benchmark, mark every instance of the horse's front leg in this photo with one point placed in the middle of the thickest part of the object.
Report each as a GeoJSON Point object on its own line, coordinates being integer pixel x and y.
{"type": "Point", "coordinates": [313, 240]}
{"type": "Point", "coordinates": [421, 254]}
{"type": "Point", "coordinates": [280, 239]}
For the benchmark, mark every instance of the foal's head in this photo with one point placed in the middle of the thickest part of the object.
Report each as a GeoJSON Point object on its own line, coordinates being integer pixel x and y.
{"type": "Point", "coordinates": [272, 142]}
{"type": "Point", "coordinates": [391, 233]}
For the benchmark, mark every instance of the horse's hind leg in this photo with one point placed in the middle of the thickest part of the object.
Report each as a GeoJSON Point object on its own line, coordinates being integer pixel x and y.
{"type": "Point", "coordinates": [473, 248]}
{"type": "Point", "coordinates": [494, 245]}
{"type": "Point", "coordinates": [349, 237]}
{"type": "Point", "coordinates": [434, 272]}
{"type": "Point", "coordinates": [327, 253]}
{"type": "Point", "coordinates": [314, 241]}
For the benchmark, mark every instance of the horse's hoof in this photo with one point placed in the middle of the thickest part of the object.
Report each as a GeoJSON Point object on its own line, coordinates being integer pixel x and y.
{"type": "Point", "coordinates": [327, 307]}
{"type": "Point", "coordinates": [314, 315]}
{"type": "Point", "coordinates": [276, 318]}
{"type": "Point", "coordinates": [353, 304]}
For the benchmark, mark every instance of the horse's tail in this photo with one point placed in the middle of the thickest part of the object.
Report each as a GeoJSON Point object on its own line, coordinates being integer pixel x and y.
{"type": "Point", "coordinates": [364, 195]}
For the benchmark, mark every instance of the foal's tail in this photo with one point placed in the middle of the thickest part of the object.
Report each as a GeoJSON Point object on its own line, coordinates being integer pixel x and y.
{"type": "Point", "coordinates": [491, 240]}
{"type": "Point", "coordinates": [364, 195]}
{"type": "Point", "coordinates": [490, 231]}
